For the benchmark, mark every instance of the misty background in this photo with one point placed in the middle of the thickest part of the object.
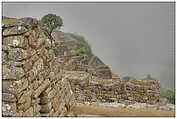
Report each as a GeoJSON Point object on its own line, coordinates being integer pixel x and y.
{"type": "Point", "coordinates": [133, 39]}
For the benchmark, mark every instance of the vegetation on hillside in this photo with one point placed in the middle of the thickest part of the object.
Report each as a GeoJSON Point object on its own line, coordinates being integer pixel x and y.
{"type": "Point", "coordinates": [83, 46]}
{"type": "Point", "coordinates": [169, 93]}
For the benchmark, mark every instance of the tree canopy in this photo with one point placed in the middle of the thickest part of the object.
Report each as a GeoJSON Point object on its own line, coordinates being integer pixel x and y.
{"type": "Point", "coordinates": [50, 22]}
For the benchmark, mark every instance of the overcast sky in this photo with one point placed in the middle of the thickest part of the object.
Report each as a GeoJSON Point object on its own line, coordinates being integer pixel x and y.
{"type": "Point", "coordinates": [134, 39]}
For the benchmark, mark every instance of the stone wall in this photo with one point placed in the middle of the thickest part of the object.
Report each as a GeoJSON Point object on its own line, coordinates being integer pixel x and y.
{"type": "Point", "coordinates": [32, 83]}
{"type": "Point", "coordinates": [36, 81]}
{"type": "Point", "coordinates": [77, 63]}
{"type": "Point", "coordinates": [99, 69]}
{"type": "Point", "coordinates": [143, 91]}
{"type": "Point", "coordinates": [88, 88]}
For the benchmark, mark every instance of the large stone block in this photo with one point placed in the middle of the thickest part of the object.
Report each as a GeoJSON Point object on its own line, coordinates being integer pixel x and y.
{"type": "Point", "coordinates": [9, 87]}
{"type": "Point", "coordinates": [14, 30]}
{"type": "Point", "coordinates": [8, 109]}
{"type": "Point", "coordinates": [18, 54]}
{"type": "Point", "coordinates": [16, 41]}
{"type": "Point", "coordinates": [8, 97]}
{"type": "Point", "coordinates": [12, 72]}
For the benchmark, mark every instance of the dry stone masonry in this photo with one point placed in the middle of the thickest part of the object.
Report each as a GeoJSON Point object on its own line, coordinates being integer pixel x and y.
{"type": "Point", "coordinates": [32, 83]}
{"type": "Point", "coordinates": [92, 89]}
{"type": "Point", "coordinates": [99, 69]}
{"type": "Point", "coordinates": [40, 81]}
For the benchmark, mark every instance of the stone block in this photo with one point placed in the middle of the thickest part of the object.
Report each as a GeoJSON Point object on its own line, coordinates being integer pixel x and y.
{"type": "Point", "coordinates": [27, 65]}
{"type": "Point", "coordinates": [18, 54]}
{"type": "Point", "coordinates": [8, 97]}
{"type": "Point", "coordinates": [9, 87]}
{"type": "Point", "coordinates": [42, 87]}
{"type": "Point", "coordinates": [12, 72]}
{"type": "Point", "coordinates": [46, 108]}
{"type": "Point", "coordinates": [29, 112]}
{"type": "Point", "coordinates": [8, 109]}
{"type": "Point", "coordinates": [16, 41]}
{"type": "Point", "coordinates": [14, 30]}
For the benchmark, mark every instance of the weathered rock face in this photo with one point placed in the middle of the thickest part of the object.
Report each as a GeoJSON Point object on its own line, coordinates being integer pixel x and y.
{"type": "Point", "coordinates": [32, 83]}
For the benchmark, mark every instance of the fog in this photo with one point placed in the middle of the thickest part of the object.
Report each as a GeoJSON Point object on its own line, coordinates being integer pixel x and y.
{"type": "Point", "coordinates": [133, 39]}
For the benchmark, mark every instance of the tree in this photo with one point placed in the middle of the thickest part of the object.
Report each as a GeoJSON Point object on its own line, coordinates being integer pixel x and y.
{"type": "Point", "coordinates": [50, 22]}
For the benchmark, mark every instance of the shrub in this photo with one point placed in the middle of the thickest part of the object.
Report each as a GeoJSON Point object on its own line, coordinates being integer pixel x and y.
{"type": "Point", "coordinates": [169, 93]}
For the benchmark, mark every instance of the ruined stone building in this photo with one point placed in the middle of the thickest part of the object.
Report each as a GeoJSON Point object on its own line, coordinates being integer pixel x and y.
{"type": "Point", "coordinates": [38, 82]}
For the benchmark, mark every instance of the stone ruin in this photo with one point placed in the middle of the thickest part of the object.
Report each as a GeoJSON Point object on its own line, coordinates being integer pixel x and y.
{"type": "Point", "coordinates": [32, 83]}
{"type": "Point", "coordinates": [37, 82]}
{"type": "Point", "coordinates": [88, 88]}
{"type": "Point", "coordinates": [99, 69]}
